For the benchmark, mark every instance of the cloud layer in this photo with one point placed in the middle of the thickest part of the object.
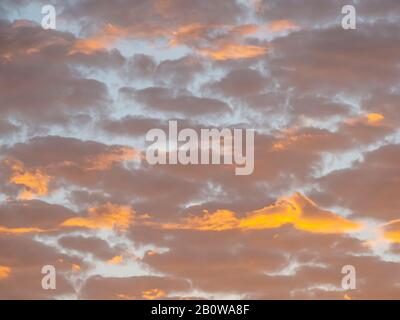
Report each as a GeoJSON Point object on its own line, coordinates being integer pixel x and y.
{"type": "Point", "coordinates": [77, 193]}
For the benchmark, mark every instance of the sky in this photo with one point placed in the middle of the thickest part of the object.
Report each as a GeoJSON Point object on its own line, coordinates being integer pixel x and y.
{"type": "Point", "coordinates": [77, 193]}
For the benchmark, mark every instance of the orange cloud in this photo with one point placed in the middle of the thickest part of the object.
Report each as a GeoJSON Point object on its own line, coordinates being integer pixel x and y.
{"type": "Point", "coordinates": [44, 44]}
{"type": "Point", "coordinates": [106, 160]}
{"type": "Point", "coordinates": [391, 231]}
{"type": "Point", "coordinates": [19, 230]}
{"type": "Point", "coordinates": [233, 51]}
{"type": "Point", "coordinates": [282, 25]}
{"type": "Point", "coordinates": [183, 35]}
{"type": "Point", "coordinates": [217, 221]}
{"type": "Point", "coordinates": [188, 33]}
{"type": "Point", "coordinates": [297, 210]}
{"type": "Point", "coordinates": [108, 216]}
{"type": "Point", "coordinates": [246, 29]}
{"type": "Point", "coordinates": [75, 267]}
{"type": "Point", "coordinates": [291, 138]}
{"type": "Point", "coordinates": [151, 253]}
{"type": "Point", "coordinates": [4, 272]}
{"type": "Point", "coordinates": [36, 182]}
{"type": "Point", "coordinates": [125, 296]}
{"type": "Point", "coordinates": [374, 118]}
{"type": "Point", "coordinates": [198, 31]}
{"type": "Point", "coordinates": [153, 294]}
{"type": "Point", "coordinates": [103, 40]}
{"type": "Point", "coordinates": [115, 260]}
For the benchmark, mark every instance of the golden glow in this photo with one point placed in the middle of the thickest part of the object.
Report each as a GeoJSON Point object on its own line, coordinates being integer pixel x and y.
{"type": "Point", "coordinates": [234, 51]}
{"type": "Point", "coordinates": [374, 118]}
{"type": "Point", "coordinates": [246, 29]}
{"type": "Point", "coordinates": [183, 35]}
{"type": "Point", "coordinates": [333, 224]}
{"type": "Point", "coordinates": [107, 37]}
{"type": "Point", "coordinates": [278, 146]}
{"type": "Point", "coordinates": [297, 210]}
{"type": "Point", "coordinates": [153, 294]}
{"type": "Point", "coordinates": [196, 31]}
{"type": "Point", "coordinates": [36, 182]}
{"type": "Point", "coordinates": [187, 32]}
{"type": "Point", "coordinates": [282, 25]}
{"type": "Point", "coordinates": [115, 260]}
{"type": "Point", "coordinates": [392, 236]}
{"type": "Point", "coordinates": [291, 138]}
{"type": "Point", "coordinates": [108, 216]}
{"type": "Point", "coordinates": [75, 267]}
{"type": "Point", "coordinates": [19, 230]}
{"type": "Point", "coordinates": [4, 272]}
{"type": "Point", "coordinates": [217, 221]}
{"type": "Point", "coordinates": [125, 296]}
{"type": "Point", "coordinates": [391, 231]}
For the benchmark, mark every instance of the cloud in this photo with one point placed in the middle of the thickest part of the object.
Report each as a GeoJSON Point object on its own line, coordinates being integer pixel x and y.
{"type": "Point", "coordinates": [115, 260]}
{"type": "Point", "coordinates": [312, 60]}
{"type": "Point", "coordinates": [44, 151]}
{"type": "Point", "coordinates": [132, 125]}
{"type": "Point", "coordinates": [26, 257]}
{"type": "Point", "coordinates": [4, 272]}
{"type": "Point", "coordinates": [102, 41]}
{"type": "Point", "coordinates": [55, 92]}
{"type": "Point", "coordinates": [318, 107]}
{"type": "Point", "coordinates": [106, 160]}
{"type": "Point", "coordinates": [297, 210]}
{"type": "Point", "coordinates": [138, 288]}
{"type": "Point", "coordinates": [391, 231]}
{"type": "Point", "coordinates": [309, 12]}
{"type": "Point", "coordinates": [227, 45]}
{"type": "Point", "coordinates": [374, 118]}
{"type": "Point", "coordinates": [240, 82]}
{"type": "Point", "coordinates": [281, 25]}
{"type": "Point", "coordinates": [311, 139]}
{"type": "Point", "coordinates": [108, 216]}
{"type": "Point", "coordinates": [6, 230]}
{"type": "Point", "coordinates": [7, 128]}
{"type": "Point", "coordinates": [77, 102]}
{"type": "Point", "coordinates": [249, 264]}
{"type": "Point", "coordinates": [153, 294]}
{"type": "Point", "coordinates": [234, 51]}
{"type": "Point", "coordinates": [33, 216]}
{"type": "Point", "coordinates": [88, 245]}
{"type": "Point", "coordinates": [175, 101]}
{"type": "Point", "coordinates": [35, 182]}
{"type": "Point", "coordinates": [379, 166]}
